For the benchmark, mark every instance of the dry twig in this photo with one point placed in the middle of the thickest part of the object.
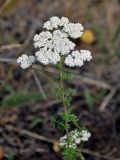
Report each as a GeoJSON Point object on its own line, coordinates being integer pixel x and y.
{"type": "Point", "coordinates": [30, 134]}
{"type": "Point", "coordinates": [38, 83]}
{"type": "Point", "coordinates": [107, 99]}
{"type": "Point", "coordinates": [96, 154]}
{"type": "Point", "coordinates": [7, 2]}
{"type": "Point", "coordinates": [10, 46]}
{"type": "Point", "coordinates": [8, 60]}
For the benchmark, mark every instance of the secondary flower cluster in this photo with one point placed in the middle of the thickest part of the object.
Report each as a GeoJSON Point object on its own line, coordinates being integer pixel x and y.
{"type": "Point", "coordinates": [55, 42]}
{"type": "Point", "coordinates": [77, 58]}
{"type": "Point", "coordinates": [26, 61]}
{"type": "Point", "coordinates": [76, 137]}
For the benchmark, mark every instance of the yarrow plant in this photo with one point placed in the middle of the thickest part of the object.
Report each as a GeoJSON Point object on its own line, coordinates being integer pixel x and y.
{"type": "Point", "coordinates": [55, 47]}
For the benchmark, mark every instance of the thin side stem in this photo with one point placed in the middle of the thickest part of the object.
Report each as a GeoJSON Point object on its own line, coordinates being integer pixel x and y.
{"type": "Point", "coordinates": [80, 154]}
{"type": "Point", "coordinates": [47, 77]}
{"type": "Point", "coordinates": [63, 100]}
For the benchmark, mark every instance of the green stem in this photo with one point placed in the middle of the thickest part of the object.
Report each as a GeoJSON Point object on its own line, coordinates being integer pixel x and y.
{"type": "Point", "coordinates": [81, 156]}
{"type": "Point", "coordinates": [63, 100]}
{"type": "Point", "coordinates": [47, 77]}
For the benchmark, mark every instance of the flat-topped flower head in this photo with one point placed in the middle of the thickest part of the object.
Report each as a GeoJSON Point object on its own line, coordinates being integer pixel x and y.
{"type": "Point", "coordinates": [76, 137]}
{"type": "Point", "coordinates": [56, 42]}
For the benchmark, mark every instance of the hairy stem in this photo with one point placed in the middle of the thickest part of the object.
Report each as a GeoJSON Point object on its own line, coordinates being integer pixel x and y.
{"type": "Point", "coordinates": [63, 100]}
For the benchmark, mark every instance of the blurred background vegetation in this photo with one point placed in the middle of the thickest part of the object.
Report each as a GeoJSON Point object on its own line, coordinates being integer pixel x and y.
{"type": "Point", "coordinates": [26, 98]}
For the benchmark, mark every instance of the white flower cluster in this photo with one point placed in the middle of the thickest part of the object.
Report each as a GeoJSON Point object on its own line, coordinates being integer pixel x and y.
{"type": "Point", "coordinates": [55, 43]}
{"type": "Point", "coordinates": [76, 137]}
{"type": "Point", "coordinates": [77, 58]}
{"type": "Point", "coordinates": [51, 45]}
{"type": "Point", "coordinates": [26, 61]}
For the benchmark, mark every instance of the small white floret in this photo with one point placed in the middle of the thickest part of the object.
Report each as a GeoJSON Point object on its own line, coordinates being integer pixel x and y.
{"type": "Point", "coordinates": [64, 21]}
{"type": "Point", "coordinates": [47, 25]}
{"type": "Point", "coordinates": [55, 22]}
